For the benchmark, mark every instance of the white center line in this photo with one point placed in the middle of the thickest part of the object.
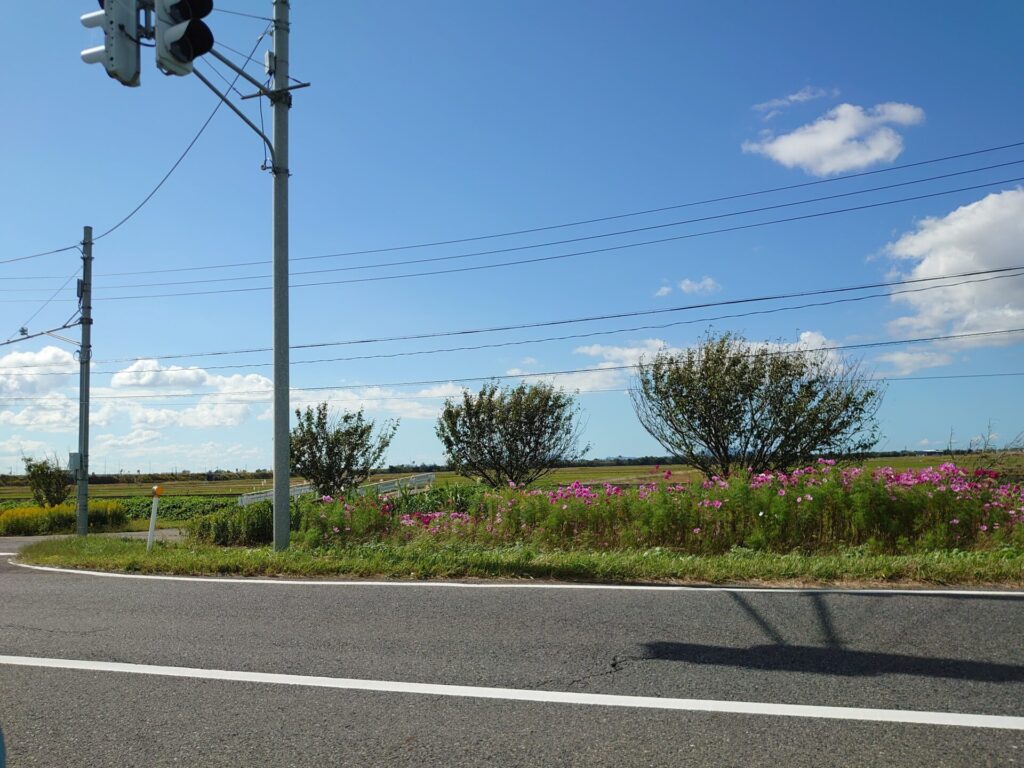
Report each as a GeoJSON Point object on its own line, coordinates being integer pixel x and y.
{"type": "Point", "coordinates": [525, 584]}
{"type": "Point", "coordinates": [544, 697]}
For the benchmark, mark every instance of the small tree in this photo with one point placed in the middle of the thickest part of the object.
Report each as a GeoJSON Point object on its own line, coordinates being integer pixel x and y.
{"type": "Point", "coordinates": [726, 404]}
{"type": "Point", "coordinates": [508, 435]}
{"type": "Point", "coordinates": [336, 454]}
{"type": "Point", "coordinates": [49, 482]}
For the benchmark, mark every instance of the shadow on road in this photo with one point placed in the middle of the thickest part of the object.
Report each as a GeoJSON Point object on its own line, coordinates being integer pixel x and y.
{"type": "Point", "coordinates": [830, 659]}
{"type": "Point", "coordinates": [833, 661]}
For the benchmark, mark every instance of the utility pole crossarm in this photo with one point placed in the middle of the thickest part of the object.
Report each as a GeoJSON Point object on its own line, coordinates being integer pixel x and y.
{"type": "Point", "coordinates": [223, 97]}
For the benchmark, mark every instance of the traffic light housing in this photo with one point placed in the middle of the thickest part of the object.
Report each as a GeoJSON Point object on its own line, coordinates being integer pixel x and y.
{"type": "Point", "coordinates": [181, 35]}
{"type": "Point", "coordinates": [119, 53]}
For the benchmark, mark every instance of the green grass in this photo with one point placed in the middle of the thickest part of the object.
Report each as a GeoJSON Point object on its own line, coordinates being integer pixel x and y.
{"type": "Point", "coordinates": [617, 475]}
{"type": "Point", "coordinates": [996, 567]}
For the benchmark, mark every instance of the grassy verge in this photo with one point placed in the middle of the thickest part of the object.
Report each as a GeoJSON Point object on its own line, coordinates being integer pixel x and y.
{"type": "Point", "coordinates": [999, 567]}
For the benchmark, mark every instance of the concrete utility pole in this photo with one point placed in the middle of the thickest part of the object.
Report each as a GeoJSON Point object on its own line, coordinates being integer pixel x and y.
{"type": "Point", "coordinates": [84, 358]}
{"type": "Point", "coordinates": [277, 66]}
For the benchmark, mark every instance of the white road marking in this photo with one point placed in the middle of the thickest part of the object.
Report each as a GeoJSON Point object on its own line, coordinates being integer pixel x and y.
{"type": "Point", "coordinates": [8, 554]}
{"type": "Point", "coordinates": [545, 697]}
{"type": "Point", "coordinates": [521, 584]}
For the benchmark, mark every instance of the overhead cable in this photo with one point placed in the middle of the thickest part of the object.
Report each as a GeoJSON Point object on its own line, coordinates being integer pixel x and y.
{"type": "Point", "coordinates": [566, 337]}
{"type": "Point", "coordinates": [1011, 270]}
{"type": "Point", "coordinates": [794, 349]}
{"type": "Point", "coordinates": [557, 257]}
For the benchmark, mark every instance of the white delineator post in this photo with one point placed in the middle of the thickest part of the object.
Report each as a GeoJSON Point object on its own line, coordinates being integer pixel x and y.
{"type": "Point", "coordinates": [157, 493]}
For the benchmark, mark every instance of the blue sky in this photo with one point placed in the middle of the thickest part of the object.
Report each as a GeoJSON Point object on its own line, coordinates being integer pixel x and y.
{"type": "Point", "coordinates": [447, 120]}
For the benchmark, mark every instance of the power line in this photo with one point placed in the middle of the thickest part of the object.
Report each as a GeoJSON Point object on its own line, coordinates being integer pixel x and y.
{"type": "Point", "coordinates": [586, 319]}
{"type": "Point", "coordinates": [591, 334]}
{"type": "Point", "coordinates": [40, 255]}
{"type": "Point", "coordinates": [453, 257]}
{"type": "Point", "coordinates": [580, 222]}
{"type": "Point", "coordinates": [44, 305]}
{"type": "Point", "coordinates": [685, 205]}
{"type": "Point", "coordinates": [431, 382]}
{"type": "Point", "coordinates": [162, 181]}
{"type": "Point", "coordinates": [183, 155]}
{"type": "Point", "coordinates": [724, 198]}
{"type": "Point", "coordinates": [532, 246]}
{"type": "Point", "coordinates": [557, 257]}
{"type": "Point", "coordinates": [248, 57]}
{"type": "Point", "coordinates": [509, 233]}
{"type": "Point", "coordinates": [240, 13]}
{"type": "Point", "coordinates": [623, 389]}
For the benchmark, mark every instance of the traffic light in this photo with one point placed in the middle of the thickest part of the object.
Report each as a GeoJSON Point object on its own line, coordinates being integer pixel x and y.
{"type": "Point", "coordinates": [181, 36]}
{"type": "Point", "coordinates": [119, 53]}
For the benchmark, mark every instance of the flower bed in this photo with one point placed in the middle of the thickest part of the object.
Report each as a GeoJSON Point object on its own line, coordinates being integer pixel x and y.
{"type": "Point", "coordinates": [816, 508]}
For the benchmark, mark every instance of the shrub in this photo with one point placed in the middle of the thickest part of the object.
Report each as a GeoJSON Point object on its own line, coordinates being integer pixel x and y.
{"type": "Point", "coordinates": [514, 435]}
{"type": "Point", "coordinates": [727, 404]}
{"type": "Point", "coordinates": [336, 454]}
{"type": "Point", "coordinates": [49, 482]}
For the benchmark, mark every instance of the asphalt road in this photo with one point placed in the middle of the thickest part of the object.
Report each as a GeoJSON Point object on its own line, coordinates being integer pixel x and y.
{"type": "Point", "coordinates": [957, 653]}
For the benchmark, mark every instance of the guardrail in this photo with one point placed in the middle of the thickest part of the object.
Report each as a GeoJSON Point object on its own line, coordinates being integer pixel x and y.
{"type": "Point", "coordinates": [415, 484]}
{"type": "Point", "coordinates": [251, 498]}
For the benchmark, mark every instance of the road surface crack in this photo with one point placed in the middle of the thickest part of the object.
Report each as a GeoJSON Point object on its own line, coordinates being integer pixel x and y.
{"type": "Point", "coordinates": [618, 663]}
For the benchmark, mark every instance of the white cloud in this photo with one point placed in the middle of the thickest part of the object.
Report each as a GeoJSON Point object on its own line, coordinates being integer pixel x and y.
{"type": "Point", "coordinates": [774, 107]}
{"type": "Point", "coordinates": [422, 404]}
{"type": "Point", "coordinates": [148, 373]}
{"type": "Point", "coordinates": [15, 447]}
{"type": "Point", "coordinates": [205, 415]}
{"type": "Point", "coordinates": [33, 373]}
{"type": "Point", "coordinates": [904, 363]}
{"type": "Point", "coordinates": [624, 355]}
{"type": "Point", "coordinates": [845, 138]}
{"type": "Point", "coordinates": [704, 285]}
{"type": "Point", "coordinates": [665, 290]}
{"type": "Point", "coordinates": [222, 401]}
{"type": "Point", "coordinates": [589, 380]}
{"type": "Point", "coordinates": [133, 439]}
{"type": "Point", "coordinates": [607, 374]}
{"type": "Point", "coordinates": [53, 412]}
{"type": "Point", "coordinates": [209, 454]}
{"type": "Point", "coordinates": [982, 235]}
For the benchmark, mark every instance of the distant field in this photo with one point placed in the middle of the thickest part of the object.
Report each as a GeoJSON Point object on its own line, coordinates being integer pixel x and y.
{"type": "Point", "coordinates": [171, 488]}
{"type": "Point", "coordinates": [620, 475]}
